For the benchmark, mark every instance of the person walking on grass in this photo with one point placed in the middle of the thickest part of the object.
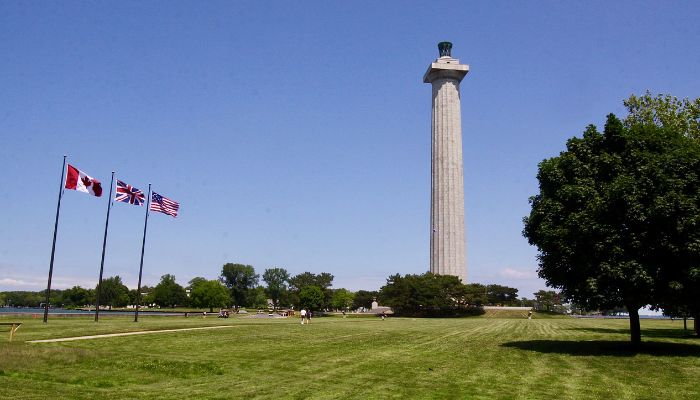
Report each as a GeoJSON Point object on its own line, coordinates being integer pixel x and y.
{"type": "Point", "coordinates": [302, 313]}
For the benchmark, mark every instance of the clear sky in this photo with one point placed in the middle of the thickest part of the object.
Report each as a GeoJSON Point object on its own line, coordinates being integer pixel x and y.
{"type": "Point", "coordinates": [297, 134]}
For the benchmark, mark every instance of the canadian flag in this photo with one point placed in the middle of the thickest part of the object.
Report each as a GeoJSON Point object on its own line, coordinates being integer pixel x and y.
{"type": "Point", "coordinates": [80, 181]}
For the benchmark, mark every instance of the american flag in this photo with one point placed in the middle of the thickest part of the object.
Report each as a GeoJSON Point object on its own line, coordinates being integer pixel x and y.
{"type": "Point", "coordinates": [129, 194]}
{"type": "Point", "coordinates": [164, 205]}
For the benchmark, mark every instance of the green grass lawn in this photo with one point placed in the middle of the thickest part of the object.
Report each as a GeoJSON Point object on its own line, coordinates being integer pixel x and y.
{"type": "Point", "coordinates": [469, 358]}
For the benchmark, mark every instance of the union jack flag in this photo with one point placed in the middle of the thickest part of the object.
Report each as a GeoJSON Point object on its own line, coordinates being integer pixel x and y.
{"type": "Point", "coordinates": [129, 194]}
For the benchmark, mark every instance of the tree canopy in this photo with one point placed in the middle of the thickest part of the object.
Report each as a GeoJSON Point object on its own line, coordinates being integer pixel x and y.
{"type": "Point", "coordinates": [311, 298]}
{"type": "Point", "coordinates": [501, 295]}
{"type": "Point", "coordinates": [169, 293]}
{"type": "Point", "coordinates": [665, 111]}
{"type": "Point", "coordinates": [323, 281]}
{"type": "Point", "coordinates": [209, 294]}
{"type": "Point", "coordinates": [426, 295]}
{"type": "Point", "coordinates": [78, 296]}
{"type": "Point", "coordinates": [257, 297]}
{"type": "Point", "coordinates": [364, 298]}
{"type": "Point", "coordinates": [276, 279]}
{"type": "Point", "coordinates": [617, 215]}
{"type": "Point", "coordinates": [476, 294]}
{"type": "Point", "coordinates": [195, 281]}
{"type": "Point", "coordinates": [113, 292]}
{"type": "Point", "coordinates": [342, 299]}
{"type": "Point", "coordinates": [547, 299]}
{"type": "Point", "coordinates": [239, 279]}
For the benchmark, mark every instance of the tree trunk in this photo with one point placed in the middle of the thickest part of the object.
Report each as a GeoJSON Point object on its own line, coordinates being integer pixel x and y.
{"type": "Point", "coordinates": [635, 330]}
{"type": "Point", "coordinates": [685, 322]}
{"type": "Point", "coordinates": [696, 324]}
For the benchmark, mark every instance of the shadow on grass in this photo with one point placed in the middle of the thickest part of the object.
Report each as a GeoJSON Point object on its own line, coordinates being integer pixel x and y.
{"type": "Point", "coordinates": [651, 333]}
{"type": "Point", "coordinates": [607, 348]}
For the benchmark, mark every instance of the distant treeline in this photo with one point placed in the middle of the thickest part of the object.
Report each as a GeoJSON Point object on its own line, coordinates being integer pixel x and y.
{"type": "Point", "coordinates": [238, 287]}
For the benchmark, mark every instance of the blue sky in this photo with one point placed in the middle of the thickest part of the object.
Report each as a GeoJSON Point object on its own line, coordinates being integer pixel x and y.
{"type": "Point", "coordinates": [297, 134]}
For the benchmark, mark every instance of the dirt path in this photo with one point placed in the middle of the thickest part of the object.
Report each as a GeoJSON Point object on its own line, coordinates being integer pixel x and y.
{"type": "Point", "coordinates": [68, 339]}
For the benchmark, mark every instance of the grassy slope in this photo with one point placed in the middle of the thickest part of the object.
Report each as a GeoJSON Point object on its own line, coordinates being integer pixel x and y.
{"type": "Point", "coordinates": [476, 358]}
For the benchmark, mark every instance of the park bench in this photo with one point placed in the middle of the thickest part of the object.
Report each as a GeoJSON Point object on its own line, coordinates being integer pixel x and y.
{"type": "Point", "coordinates": [13, 327]}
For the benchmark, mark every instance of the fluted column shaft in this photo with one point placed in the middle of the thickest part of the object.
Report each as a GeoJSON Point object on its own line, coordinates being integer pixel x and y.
{"type": "Point", "coordinates": [447, 236]}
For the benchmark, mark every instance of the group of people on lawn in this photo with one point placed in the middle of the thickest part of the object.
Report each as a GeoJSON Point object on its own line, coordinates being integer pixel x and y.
{"type": "Point", "coordinates": [305, 316]}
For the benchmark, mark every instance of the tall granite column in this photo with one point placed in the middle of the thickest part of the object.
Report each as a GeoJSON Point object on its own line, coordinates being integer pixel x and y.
{"type": "Point", "coordinates": [447, 241]}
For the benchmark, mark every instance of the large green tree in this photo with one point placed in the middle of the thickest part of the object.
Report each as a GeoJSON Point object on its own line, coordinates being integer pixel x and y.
{"type": "Point", "coordinates": [195, 281]}
{"type": "Point", "coordinates": [113, 292]}
{"type": "Point", "coordinates": [239, 279]}
{"type": "Point", "coordinates": [682, 116]}
{"type": "Point", "coordinates": [257, 298]}
{"type": "Point", "coordinates": [426, 295]}
{"type": "Point", "coordinates": [364, 298]}
{"type": "Point", "coordinates": [311, 298]}
{"type": "Point", "coordinates": [145, 297]}
{"type": "Point", "coordinates": [547, 299]}
{"type": "Point", "coordinates": [276, 279]}
{"type": "Point", "coordinates": [169, 293]}
{"type": "Point", "coordinates": [476, 294]}
{"type": "Point", "coordinates": [617, 216]}
{"type": "Point", "coordinates": [323, 281]}
{"type": "Point", "coordinates": [77, 296]}
{"type": "Point", "coordinates": [501, 295]}
{"type": "Point", "coordinates": [209, 294]}
{"type": "Point", "coordinates": [342, 299]}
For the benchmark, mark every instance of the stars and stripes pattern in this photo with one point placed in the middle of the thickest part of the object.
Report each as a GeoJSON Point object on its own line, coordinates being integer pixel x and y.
{"type": "Point", "coordinates": [129, 194]}
{"type": "Point", "coordinates": [163, 204]}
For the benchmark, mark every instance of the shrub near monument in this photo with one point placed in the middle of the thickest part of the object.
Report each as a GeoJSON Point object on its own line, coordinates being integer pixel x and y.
{"type": "Point", "coordinates": [427, 295]}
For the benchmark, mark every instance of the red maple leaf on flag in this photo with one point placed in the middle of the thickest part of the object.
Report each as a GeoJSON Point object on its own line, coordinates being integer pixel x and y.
{"type": "Point", "coordinates": [96, 186]}
{"type": "Point", "coordinates": [86, 181]}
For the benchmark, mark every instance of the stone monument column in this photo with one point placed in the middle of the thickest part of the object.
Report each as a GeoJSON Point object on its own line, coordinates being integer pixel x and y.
{"type": "Point", "coordinates": [447, 239]}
